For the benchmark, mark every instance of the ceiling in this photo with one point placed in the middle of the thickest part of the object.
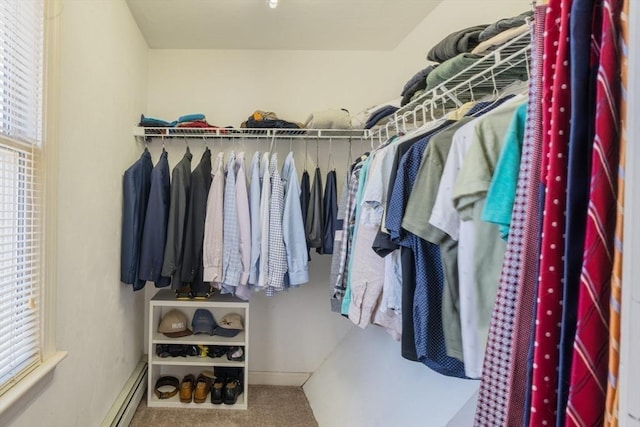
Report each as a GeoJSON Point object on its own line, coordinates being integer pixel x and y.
{"type": "Point", "coordinates": [293, 25]}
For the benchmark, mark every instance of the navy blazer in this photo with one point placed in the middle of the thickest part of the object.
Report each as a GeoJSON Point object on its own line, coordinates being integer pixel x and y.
{"type": "Point", "coordinates": [135, 190]}
{"type": "Point", "coordinates": [155, 225]}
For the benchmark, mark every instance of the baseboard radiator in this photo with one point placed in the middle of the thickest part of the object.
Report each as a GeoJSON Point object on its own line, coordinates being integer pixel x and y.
{"type": "Point", "coordinates": [121, 413]}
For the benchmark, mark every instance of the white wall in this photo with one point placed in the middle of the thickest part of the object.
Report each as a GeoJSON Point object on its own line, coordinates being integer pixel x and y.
{"type": "Point", "coordinates": [99, 321]}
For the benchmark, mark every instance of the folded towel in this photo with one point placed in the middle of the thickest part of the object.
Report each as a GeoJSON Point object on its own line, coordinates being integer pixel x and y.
{"type": "Point", "coordinates": [191, 117]}
{"type": "Point", "coordinates": [153, 122]}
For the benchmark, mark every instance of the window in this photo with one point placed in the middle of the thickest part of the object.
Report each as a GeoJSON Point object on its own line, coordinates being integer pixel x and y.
{"type": "Point", "coordinates": [21, 195]}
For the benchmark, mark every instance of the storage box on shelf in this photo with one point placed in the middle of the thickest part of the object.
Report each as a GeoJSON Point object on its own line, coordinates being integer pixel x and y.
{"type": "Point", "coordinates": [220, 306]}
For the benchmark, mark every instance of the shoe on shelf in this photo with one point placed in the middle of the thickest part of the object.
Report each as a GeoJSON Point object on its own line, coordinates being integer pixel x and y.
{"type": "Point", "coordinates": [232, 389]}
{"type": "Point", "coordinates": [186, 388]}
{"type": "Point", "coordinates": [217, 390]}
{"type": "Point", "coordinates": [235, 354]}
{"type": "Point", "coordinates": [215, 351]}
{"type": "Point", "coordinates": [203, 385]}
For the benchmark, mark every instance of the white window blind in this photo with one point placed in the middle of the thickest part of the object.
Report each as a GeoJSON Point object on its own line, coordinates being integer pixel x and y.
{"type": "Point", "coordinates": [21, 83]}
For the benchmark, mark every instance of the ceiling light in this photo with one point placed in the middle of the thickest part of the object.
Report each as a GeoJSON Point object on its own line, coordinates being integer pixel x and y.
{"type": "Point", "coordinates": [273, 4]}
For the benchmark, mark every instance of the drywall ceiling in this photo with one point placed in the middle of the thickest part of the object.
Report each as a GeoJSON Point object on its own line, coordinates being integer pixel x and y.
{"type": "Point", "coordinates": [293, 25]}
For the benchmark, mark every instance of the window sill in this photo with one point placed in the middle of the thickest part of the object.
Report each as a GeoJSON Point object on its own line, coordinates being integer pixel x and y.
{"type": "Point", "coordinates": [27, 383]}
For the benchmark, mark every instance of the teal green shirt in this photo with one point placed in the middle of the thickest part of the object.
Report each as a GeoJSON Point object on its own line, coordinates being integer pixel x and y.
{"type": "Point", "coordinates": [502, 191]}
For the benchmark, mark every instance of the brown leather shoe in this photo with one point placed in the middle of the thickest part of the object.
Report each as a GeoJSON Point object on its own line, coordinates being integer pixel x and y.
{"type": "Point", "coordinates": [186, 388]}
{"type": "Point", "coordinates": [203, 385]}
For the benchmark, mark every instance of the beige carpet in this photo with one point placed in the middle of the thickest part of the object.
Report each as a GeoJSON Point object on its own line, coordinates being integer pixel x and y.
{"type": "Point", "coordinates": [269, 406]}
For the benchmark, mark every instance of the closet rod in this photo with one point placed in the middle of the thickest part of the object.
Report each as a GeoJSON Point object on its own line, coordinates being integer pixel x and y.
{"type": "Point", "coordinates": [488, 72]}
{"type": "Point", "coordinates": [244, 133]}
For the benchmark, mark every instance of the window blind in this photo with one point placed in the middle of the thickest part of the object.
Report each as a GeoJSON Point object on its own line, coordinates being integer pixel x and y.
{"type": "Point", "coordinates": [21, 234]}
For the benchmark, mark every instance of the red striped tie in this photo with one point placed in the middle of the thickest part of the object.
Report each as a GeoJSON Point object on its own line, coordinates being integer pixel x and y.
{"type": "Point", "coordinates": [587, 391]}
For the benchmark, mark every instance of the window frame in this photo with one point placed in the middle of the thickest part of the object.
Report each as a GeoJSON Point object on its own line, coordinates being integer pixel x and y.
{"type": "Point", "coordinates": [48, 160]}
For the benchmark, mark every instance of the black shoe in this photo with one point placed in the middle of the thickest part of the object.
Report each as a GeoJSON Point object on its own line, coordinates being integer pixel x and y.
{"type": "Point", "coordinates": [235, 354]}
{"type": "Point", "coordinates": [232, 390]}
{"type": "Point", "coordinates": [216, 351]}
{"type": "Point", "coordinates": [217, 391]}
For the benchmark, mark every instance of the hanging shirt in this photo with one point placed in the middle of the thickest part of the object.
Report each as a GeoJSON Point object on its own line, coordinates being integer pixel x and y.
{"type": "Point", "coordinates": [180, 189]}
{"type": "Point", "coordinates": [255, 190]}
{"type": "Point", "coordinates": [213, 226]}
{"type": "Point", "coordinates": [277, 251]}
{"type": "Point", "coordinates": [416, 221]}
{"type": "Point", "coordinates": [136, 185]}
{"type": "Point", "coordinates": [486, 253]}
{"type": "Point", "coordinates": [155, 225]}
{"type": "Point", "coordinates": [362, 179]}
{"type": "Point", "coordinates": [340, 284]}
{"type": "Point", "coordinates": [231, 265]}
{"type": "Point", "coordinates": [427, 301]}
{"type": "Point", "coordinates": [292, 226]}
{"type": "Point", "coordinates": [337, 244]}
{"type": "Point", "coordinates": [314, 226]}
{"type": "Point", "coordinates": [502, 191]}
{"type": "Point", "coordinates": [305, 194]}
{"type": "Point", "coordinates": [244, 227]}
{"type": "Point", "coordinates": [265, 199]}
{"type": "Point", "coordinates": [330, 204]}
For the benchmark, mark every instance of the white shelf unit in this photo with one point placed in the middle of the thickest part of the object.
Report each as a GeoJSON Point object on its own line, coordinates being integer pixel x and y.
{"type": "Point", "coordinates": [219, 305]}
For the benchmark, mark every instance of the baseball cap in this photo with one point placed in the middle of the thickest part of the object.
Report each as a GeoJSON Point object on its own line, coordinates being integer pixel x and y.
{"type": "Point", "coordinates": [229, 326]}
{"type": "Point", "coordinates": [203, 322]}
{"type": "Point", "coordinates": [174, 324]}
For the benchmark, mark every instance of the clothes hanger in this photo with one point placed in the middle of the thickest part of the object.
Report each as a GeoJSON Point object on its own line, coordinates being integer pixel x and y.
{"type": "Point", "coordinates": [330, 159]}
{"type": "Point", "coordinates": [188, 151]}
{"type": "Point", "coordinates": [349, 158]}
{"type": "Point", "coordinates": [318, 152]}
{"type": "Point", "coordinates": [306, 153]}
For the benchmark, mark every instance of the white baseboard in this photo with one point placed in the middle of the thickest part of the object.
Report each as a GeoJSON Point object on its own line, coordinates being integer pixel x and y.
{"type": "Point", "coordinates": [278, 378]}
{"type": "Point", "coordinates": [125, 405]}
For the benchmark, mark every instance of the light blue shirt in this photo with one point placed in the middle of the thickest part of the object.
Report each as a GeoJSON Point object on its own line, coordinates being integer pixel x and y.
{"type": "Point", "coordinates": [255, 189]}
{"type": "Point", "coordinates": [293, 227]}
{"type": "Point", "coordinates": [231, 264]}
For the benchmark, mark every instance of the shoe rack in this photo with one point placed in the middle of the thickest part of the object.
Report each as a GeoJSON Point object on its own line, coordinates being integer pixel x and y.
{"type": "Point", "coordinates": [178, 367]}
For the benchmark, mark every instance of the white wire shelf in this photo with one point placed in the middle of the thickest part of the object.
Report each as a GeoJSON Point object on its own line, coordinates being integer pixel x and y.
{"type": "Point", "coordinates": [487, 75]}
{"type": "Point", "coordinates": [256, 133]}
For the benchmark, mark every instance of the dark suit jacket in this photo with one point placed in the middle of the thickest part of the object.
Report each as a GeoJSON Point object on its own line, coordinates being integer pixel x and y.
{"type": "Point", "coordinates": [155, 225]}
{"type": "Point", "coordinates": [135, 190]}
{"type": "Point", "coordinates": [180, 189]}
{"type": "Point", "coordinates": [192, 266]}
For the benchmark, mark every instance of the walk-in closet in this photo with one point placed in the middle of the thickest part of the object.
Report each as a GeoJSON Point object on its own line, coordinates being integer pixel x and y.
{"type": "Point", "coordinates": [301, 212]}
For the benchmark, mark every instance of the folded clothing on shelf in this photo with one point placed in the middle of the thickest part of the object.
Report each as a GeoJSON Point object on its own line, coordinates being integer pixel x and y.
{"type": "Point", "coordinates": [452, 67]}
{"type": "Point", "coordinates": [329, 119]}
{"type": "Point", "coordinates": [153, 122]}
{"type": "Point", "coordinates": [504, 24]}
{"type": "Point", "coordinates": [268, 120]}
{"type": "Point", "coordinates": [191, 117]}
{"type": "Point", "coordinates": [499, 39]}
{"type": "Point", "coordinates": [417, 83]}
{"type": "Point", "coordinates": [380, 114]}
{"type": "Point", "coordinates": [458, 42]}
